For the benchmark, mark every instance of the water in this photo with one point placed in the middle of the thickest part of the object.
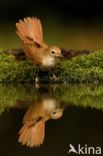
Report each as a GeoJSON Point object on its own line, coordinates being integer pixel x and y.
{"type": "Point", "coordinates": [81, 123]}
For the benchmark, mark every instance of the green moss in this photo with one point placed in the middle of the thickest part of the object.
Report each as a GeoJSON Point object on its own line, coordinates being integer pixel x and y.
{"type": "Point", "coordinates": [83, 68]}
{"type": "Point", "coordinates": [12, 70]}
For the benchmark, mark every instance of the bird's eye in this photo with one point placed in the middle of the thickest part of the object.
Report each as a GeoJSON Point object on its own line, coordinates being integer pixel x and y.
{"type": "Point", "coordinates": [54, 112]}
{"type": "Point", "coordinates": [52, 52]}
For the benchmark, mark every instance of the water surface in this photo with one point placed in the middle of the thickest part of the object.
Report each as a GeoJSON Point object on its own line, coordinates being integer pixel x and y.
{"type": "Point", "coordinates": [81, 122]}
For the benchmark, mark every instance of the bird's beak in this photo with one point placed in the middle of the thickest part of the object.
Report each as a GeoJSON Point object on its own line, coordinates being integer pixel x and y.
{"type": "Point", "coordinates": [61, 56]}
{"type": "Point", "coordinates": [59, 114]}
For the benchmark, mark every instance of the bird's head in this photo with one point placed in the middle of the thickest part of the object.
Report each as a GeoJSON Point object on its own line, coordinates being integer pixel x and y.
{"type": "Point", "coordinates": [56, 113]}
{"type": "Point", "coordinates": [55, 52]}
{"type": "Point", "coordinates": [52, 108]}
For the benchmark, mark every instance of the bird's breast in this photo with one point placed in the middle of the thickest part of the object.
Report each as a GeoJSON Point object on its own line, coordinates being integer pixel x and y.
{"type": "Point", "coordinates": [48, 61]}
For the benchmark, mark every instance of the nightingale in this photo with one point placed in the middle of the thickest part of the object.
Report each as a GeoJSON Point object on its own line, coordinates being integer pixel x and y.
{"type": "Point", "coordinates": [30, 32]}
{"type": "Point", "coordinates": [32, 132]}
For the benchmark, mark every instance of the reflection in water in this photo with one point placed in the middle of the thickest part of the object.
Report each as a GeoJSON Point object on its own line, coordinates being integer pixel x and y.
{"type": "Point", "coordinates": [83, 95]}
{"type": "Point", "coordinates": [77, 125]}
{"type": "Point", "coordinates": [33, 131]}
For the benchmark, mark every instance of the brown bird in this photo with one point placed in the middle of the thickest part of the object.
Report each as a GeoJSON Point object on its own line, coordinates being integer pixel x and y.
{"type": "Point", "coordinates": [33, 131]}
{"type": "Point", "coordinates": [30, 32]}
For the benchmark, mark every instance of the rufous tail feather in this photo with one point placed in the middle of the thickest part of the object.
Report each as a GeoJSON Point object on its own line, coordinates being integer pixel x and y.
{"type": "Point", "coordinates": [32, 136]}
{"type": "Point", "coordinates": [30, 30]}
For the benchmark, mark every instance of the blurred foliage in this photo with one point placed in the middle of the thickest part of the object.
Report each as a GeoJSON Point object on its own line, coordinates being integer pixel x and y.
{"type": "Point", "coordinates": [21, 96]}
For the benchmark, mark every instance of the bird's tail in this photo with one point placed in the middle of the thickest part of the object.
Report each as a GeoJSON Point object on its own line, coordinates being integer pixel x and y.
{"type": "Point", "coordinates": [32, 135]}
{"type": "Point", "coordinates": [30, 30]}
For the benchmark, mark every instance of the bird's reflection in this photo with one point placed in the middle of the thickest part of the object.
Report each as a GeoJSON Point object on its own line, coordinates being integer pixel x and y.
{"type": "Point", "coordinates": [32, 132]}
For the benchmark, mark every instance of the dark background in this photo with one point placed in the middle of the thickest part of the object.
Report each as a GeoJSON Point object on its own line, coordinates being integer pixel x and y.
{"type": "Point", "coordinates": [75, 9]}
{"type": "Point", "coordinates": [67, 23]}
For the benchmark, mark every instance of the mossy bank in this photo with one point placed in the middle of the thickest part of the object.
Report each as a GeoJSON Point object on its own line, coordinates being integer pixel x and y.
{"type": "Point", "coordinates": [82, 68]}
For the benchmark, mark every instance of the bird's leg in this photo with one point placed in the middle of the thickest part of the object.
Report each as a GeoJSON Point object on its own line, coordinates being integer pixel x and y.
{"type": "Point", "coordinates": [37, 77]}
{"type": "Point", "coordinates": [54, 77]}
{"type": "Point", "coordinates": [37, 80]}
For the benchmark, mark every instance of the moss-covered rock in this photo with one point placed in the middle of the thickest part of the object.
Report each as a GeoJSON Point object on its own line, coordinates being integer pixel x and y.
{"type": "Point", "coordinates": [12, 70]}
{"type": "Point", "coordinates": [82, 68]}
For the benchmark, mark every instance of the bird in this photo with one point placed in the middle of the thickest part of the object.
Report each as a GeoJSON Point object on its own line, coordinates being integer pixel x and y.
{"type": "Point", "coordinates": [30, 32]}
{"type": "Point", "coordinates": [32, 133]}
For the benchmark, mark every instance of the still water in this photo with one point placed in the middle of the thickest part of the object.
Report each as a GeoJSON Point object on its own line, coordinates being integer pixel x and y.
{"type": "Point", "coordinates": [79, 121]}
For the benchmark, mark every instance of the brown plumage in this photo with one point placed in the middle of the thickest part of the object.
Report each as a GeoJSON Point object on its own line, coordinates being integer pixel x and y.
{"type": "Point", "coordinates": [32, 133]}
{"type": "Point", "coordinates": [30, 32]}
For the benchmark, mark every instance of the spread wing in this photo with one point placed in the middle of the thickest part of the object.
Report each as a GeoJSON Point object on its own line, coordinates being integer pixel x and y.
{"type": "Point", "coordinates": [30, 31]}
